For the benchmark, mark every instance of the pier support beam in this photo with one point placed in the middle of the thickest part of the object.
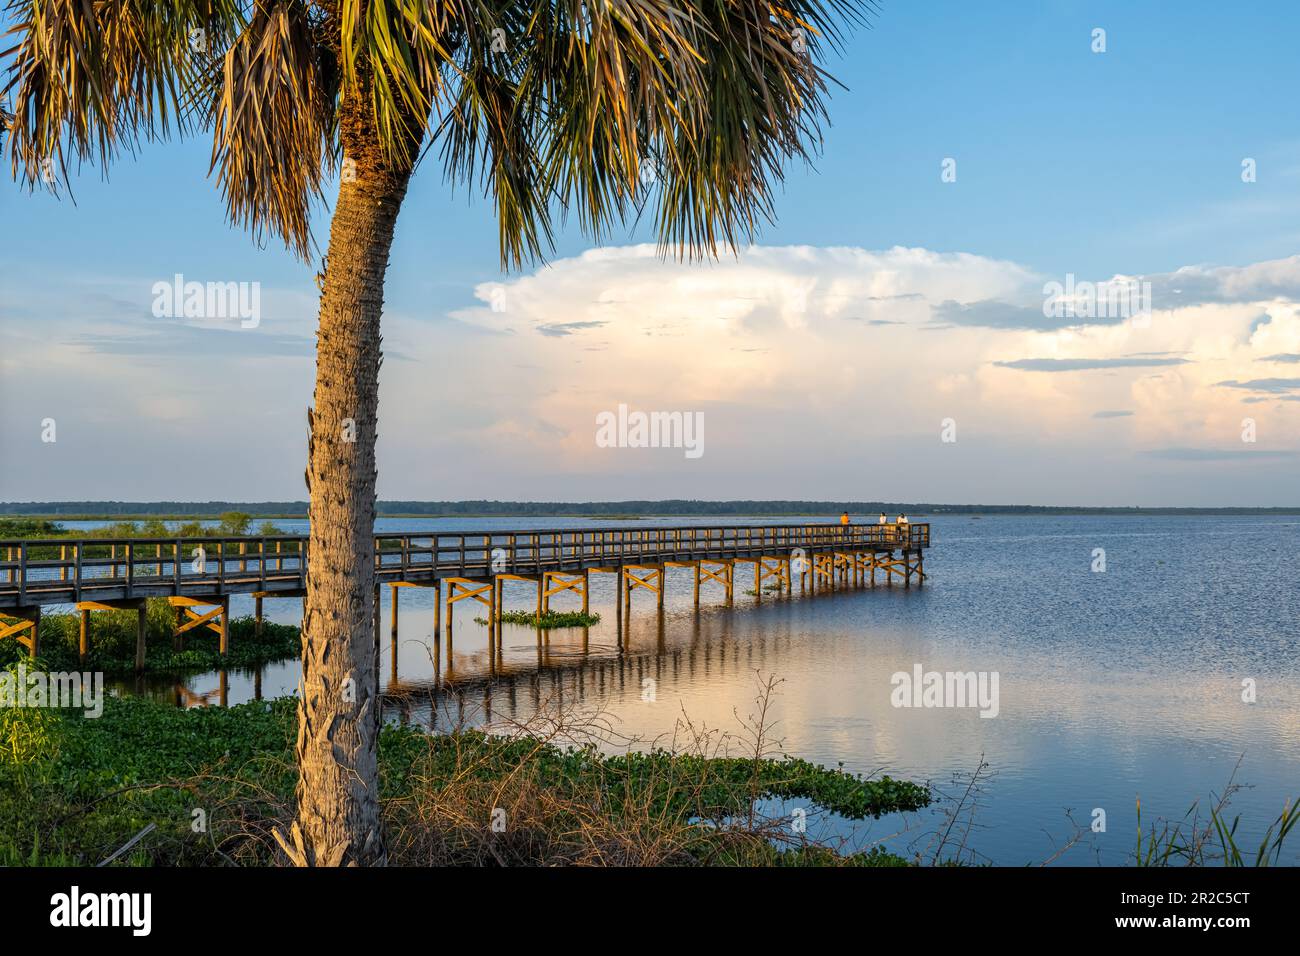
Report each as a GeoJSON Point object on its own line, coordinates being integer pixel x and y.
{"type": "Point", "coordinates": [437, 608]}
{"type": "Point", "coordinates": [216, 620]}
{"type": "Point", "coordinates": [460, 589]}
{"type": "Point", "coordinates": [224, 643]}
{"type": "Point", "coordinates": [652, 580]}
{"type": "Point", "coordinates": [905, 564]}
{"type": "Point", "coordinates": [775, 567]}
{"type": "Point", "coordinates": [126, 604]}
{"type": "Point", "coordinates": [823, 571]}
{"type": "Point", "coordinates": [392, 614]}
{"type": "Point", "coordinates": [141, 633]}
{"type": "Point", "coordinates": [499, 581]}
{"type": "Point", "coordinates": [841, 568]}
{"type": "Point", "coordinates": [394, 621]}
{"type": "Point", "coordinates": [24, 626]}
{"type": "Point", "coordinates": [557, 582]}
{"type": "Point", "coordinates": [618, 601]}
{"type": "Point", "coordinates": [722, 573]}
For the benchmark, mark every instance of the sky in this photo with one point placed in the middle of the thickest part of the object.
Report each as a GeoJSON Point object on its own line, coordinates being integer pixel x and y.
{"type": "Point", "coordinates": [901, 332]}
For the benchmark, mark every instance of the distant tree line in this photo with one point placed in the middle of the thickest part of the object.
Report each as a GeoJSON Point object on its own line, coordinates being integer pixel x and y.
{"type": "Point", "coordinates": [229, 523]}
{"type": "Point", "coordinates": [672, 506]}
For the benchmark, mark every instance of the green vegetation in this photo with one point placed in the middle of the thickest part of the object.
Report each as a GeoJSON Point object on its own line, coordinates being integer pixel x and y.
{"type": "Point", "coordinates": [216, 782]}
{"type": "Point", "coordinates": [547, 621]}
{"type": "Point", "coordinates": [29, 528]}
{"type": "Point", "coordinates": [229, 524]}
{"type": "Point", "coordinates": [1206, 836]}
{"type": "Point", "coordinates": [112, 643]}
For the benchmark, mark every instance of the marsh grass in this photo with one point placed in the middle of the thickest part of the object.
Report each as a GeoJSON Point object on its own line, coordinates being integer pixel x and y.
{"type": "Point", "coordinates": [696, 798]}
{"type": "Point", "coordinates": [1206, 836]}
{"type": "Point", "coordinates": [76, 791]}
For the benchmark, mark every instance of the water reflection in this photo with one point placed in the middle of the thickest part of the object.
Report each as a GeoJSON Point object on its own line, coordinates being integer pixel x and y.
{"type": "Point", "coordinates": [524, 672]}
{"type": "Point", "coordinates": [473, 675]}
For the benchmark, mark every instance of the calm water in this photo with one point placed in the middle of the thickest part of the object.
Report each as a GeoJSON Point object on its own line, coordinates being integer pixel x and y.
{"type": "Point", "coordinates": [1113, 686]}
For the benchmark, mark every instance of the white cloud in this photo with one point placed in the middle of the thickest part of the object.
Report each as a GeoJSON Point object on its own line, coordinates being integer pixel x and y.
{"type": "Point", "coordinates": [759, 288]}
{"type": "Point", "coordinates": [822, 372]}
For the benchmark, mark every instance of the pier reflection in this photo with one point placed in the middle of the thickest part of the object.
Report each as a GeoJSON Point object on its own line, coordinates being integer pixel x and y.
{"type": "Point", "coordinates": [481, 675]}
{"type": "Point", "coordinates": [505, 680]}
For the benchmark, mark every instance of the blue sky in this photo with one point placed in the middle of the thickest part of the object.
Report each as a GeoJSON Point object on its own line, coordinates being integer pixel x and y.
{"type": "Point", "coordinates": [1068, 161]}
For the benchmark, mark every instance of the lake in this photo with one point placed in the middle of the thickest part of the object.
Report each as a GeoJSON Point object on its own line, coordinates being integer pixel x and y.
{"type": "Point", "coordinates": [1112, 685]}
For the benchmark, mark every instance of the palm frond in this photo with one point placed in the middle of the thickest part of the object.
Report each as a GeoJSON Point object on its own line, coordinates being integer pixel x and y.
{"type": "Point", "coordinates": [394, 53]}
{"type": "Point", "coordinates": [273, 121]}
{"type": "Point", "coordinates": [88, 78]}
{"type": "Point", "coordinates": [691, 108]}
{"type": "Point", "coordinates": [761, 106]}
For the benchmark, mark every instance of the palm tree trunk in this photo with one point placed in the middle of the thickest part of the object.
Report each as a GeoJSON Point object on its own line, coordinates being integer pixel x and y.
{"type": "Point", "coordinates": [338, 820]}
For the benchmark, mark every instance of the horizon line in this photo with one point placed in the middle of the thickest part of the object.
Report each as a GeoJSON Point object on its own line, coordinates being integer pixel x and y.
{"type": "Point", "coordinates": [465, 507]}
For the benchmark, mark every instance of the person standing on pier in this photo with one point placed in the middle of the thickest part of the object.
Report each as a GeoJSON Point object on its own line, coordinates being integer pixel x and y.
{"type": "Point", "coordinates": [844, 519]}
{"type": "Point", "coordinates": [883, 519]}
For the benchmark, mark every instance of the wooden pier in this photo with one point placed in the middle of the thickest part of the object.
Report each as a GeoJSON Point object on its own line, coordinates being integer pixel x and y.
{"type": "Point", "coordinates": [198, 576]}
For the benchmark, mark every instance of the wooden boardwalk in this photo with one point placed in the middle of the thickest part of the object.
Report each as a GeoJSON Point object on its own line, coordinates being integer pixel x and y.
{"type": "Point", "coordinates": [199, 575]}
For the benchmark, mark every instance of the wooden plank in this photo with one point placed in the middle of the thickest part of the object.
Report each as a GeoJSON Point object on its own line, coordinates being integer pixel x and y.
{"type": "Point", "coordinates": [198, 620]}
{"type": "Point", "coordinates": [9, 630]}
{"type": "Point", "coordinates": [124, 604]}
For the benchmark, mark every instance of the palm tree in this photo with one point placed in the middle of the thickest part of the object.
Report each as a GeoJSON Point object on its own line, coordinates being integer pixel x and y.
{"type": "Point", "coordinates": [549, 106]}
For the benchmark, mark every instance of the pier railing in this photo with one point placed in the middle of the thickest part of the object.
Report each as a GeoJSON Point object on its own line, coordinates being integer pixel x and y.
{"type": "Point", "coordinates": [61, 570]}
